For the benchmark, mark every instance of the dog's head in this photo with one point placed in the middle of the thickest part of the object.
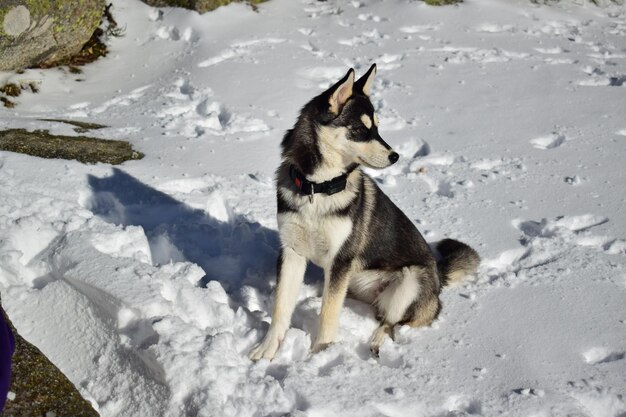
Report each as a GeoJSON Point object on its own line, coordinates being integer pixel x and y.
{"type": "Point", "coordinates": [348, 125]}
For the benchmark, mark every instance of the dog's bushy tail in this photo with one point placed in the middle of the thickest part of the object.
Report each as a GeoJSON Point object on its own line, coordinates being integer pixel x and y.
{"type": "Point", "coordinates": [457, 261]}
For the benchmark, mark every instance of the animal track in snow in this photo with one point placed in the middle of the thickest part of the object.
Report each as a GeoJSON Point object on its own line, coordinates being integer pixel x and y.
{"type": "Point", "coordinates": [597, 77]}
{"type": "Point", "coordinates": [551, 51]}
{"type": "Point", "coordinates": [544, 242]}
{"type": "Point", "coordinates": [608, 81]}
{"type": "Point", "coordinates": [387, 62]}
{"type": "Point", "coordinates": [241, 50]}
{"type": "Point", "coordinates": [440, 159]}
{"type": "Point", "coordinates": [461, 55]}
{"type": "Point", "coordinates": [371, 17]}
{"type": "Point", "coordinates": [494, 28]}
{"type": "Point", "coordinates": [389, 119]}
{"type": "Point", "coordinates": [559, 61]}
{"type": "Point", "coordinates": [122, 100]}
{"type": "Point", "coordinates": [490, 168]}
{"type": "Point", "coordinates": [558, 29]}
{"type": "Point", "coordinates": [413, 149]}
{"type": "Point", "coordinates": [193, 113]}
{"type": "Point", "coordinates": [615, 247]}
{"type": "Point", "coordinates": [487, 164]}
{"type": "Point", "coordinates": [319, 77]}
{"type": "Point", "coordinates": [549, 228]}
{"type": "Point", "coordinates": [597, 400]}
{"type": "Point", "coordinates": [168, 32]}
{"type": "Point", "coordinates": [529, 391]}
{"type": "Point", "coordinates": [551, 141]}
{"type": "Point", "coordinates": [316, 10]}
{"type": "Point", "coordinates": [461, 405]}
{"type": "Point", "coordinates": [598, 355]}
{"type": "Point", "coordinates": [419, 28]}
{"type": "Point", "coordinates": [370, 36]}
{"type": "Point", "coordinates": [306, 31]}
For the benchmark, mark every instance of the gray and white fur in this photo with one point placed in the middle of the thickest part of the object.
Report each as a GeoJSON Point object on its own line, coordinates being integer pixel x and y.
{"type": "Point", "coordinates": [365, 244]}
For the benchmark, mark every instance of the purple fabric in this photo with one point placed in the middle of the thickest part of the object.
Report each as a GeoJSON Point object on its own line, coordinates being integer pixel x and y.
{"type": "Point", "coordinates": [7, 347]}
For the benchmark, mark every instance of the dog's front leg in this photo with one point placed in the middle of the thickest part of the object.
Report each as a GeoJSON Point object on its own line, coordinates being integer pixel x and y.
{"type": "Point", "coordinates": [335, 288]}
{"type": "Point", "coordinates": [290, 273]}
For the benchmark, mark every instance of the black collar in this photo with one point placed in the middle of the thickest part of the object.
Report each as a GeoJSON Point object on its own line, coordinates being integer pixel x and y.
{"type": "Point", "coordinates": [306, 187]}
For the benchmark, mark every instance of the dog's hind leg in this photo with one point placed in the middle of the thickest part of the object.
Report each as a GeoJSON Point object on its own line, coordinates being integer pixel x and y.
{"type": "Point", "coordinates": [426, 311]}
{"type": "Point", "coordinates": [393, 302]}
{"type": "Point", "coordinates": [399, 294]}
{"type": "Point", "coordinates": [378, 337]}
{"type": "Point", "coordinates": [291, 267]}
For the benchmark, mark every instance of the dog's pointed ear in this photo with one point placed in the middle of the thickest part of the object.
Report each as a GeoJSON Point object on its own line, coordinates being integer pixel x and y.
{"type": "Point", "coordinates": [341, 92]}
{"type": "Point", "coordinates": [364, 84]}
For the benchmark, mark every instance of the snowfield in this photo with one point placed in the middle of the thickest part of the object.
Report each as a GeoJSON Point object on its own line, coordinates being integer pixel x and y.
{"type": "Point", "coordinates": [148, 283]}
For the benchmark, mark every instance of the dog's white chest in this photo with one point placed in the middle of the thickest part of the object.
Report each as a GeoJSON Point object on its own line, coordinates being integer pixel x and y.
{"type": "Point", "coordinates": [318, 238]}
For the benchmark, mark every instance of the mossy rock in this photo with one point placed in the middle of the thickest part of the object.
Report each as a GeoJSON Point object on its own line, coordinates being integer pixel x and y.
{"type": "Point", "coordinates": [40, 388]}
{"type": "Point", "coordinates": [40, 32]}
{"type": "Point", "coordinates": [81, 148]}
{"type": "Point", "coordinates": [201, 6]}
{"type": "Point", "coordinates": [442, 2]}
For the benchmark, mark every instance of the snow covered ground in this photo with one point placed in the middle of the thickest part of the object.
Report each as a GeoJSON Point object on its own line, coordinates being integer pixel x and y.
{"type": "Point", "coordinates": [147, 284]}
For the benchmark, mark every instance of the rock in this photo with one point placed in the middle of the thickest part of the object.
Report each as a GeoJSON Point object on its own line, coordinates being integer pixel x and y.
{"type": "Point", "coordinates": [40, 32]}
{"type": "Point", "coordinates": [81, 148]}
{"type": "Point", "coordinates": [201, 6]}
{"type": "Point", "coordinates": [38, 388]}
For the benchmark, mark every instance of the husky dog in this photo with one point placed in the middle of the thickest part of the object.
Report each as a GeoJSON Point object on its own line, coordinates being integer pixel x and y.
{"type": "Point", "coordinates": [333, 214]}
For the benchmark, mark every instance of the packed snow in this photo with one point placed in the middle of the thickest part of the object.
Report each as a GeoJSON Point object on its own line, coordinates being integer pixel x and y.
{"type": "Point", "coordinates": [149, 283]}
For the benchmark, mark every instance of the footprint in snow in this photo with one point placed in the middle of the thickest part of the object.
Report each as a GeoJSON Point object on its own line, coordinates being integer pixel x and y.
{"type": "Point", "coordinates": [419, 28]}
{"type": "Point", "coordinates": [123, 100]}
{"type": "Point", "coordinates": [529, 391]}
{"type": "Point", "coordinates": [559, 61]}
{"type": "Point", "coordinates": [240, 50]}
{"type": "Point", "coordinates": [306, 31]}
{"type": "Point", "coordinates": [369, 36]}
{"type": "Point", "coordinates": [461, 405]}
{"type": "Point", "coordinates": [388, 62]}
{"type": "Point", "coordinates": [316, 9]}
{"type": "Point", "coordinates": [169, 33]}
{"type": "Point", "coordinates": [603, 80]}
{"type": "Point", "coordinates": [551, 141]}
{"type": "Point", "coordinates": [319, 77]}
{"type": "Point", "coordinates": [462, 55]}
{"type": "Point", "coordinates": [551, 51]}
{"type": "Point", "coordinates": [194, 112]}
{"type": "Point", "coordinates": [597, 400]}
{"type": "Point", "coordinates": [544, 242]}
{"type": "Point", "coordinates": [575, 230]}
{"type": "Point", "coordinates": [597, 355]}
{"type": "Point", "coordinates": [562, 224]}
{"type": "Point", "coordinates": [494, 28]}
{"type": "Point", "coordinates": [371, 17]}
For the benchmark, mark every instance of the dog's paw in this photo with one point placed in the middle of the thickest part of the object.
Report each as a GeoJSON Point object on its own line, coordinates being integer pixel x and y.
{"type": "Point", "coordinates": [375, 351]}
{"type": "Point", "coordinates": [266, 349]}
{"type": "Point", "coordinates": [378, 338]}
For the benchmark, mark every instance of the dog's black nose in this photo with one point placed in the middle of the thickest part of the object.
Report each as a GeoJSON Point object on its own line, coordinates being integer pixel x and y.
{"type": "Point", "coordinates": [393, 157]}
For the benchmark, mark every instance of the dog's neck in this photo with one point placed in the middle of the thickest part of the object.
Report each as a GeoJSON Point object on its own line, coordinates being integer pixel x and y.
{"type": "Point", "coordinates": [310, 188]}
